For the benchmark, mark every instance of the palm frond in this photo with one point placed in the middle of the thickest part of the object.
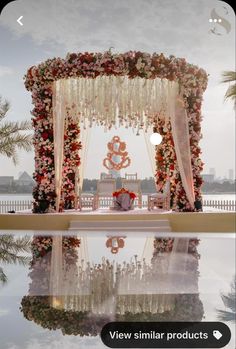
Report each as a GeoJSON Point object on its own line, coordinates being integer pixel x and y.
{"type": "Point", "coordinates": [228, 76]}
{"type": "Point", "coordinates": [10, 144]}
{"type": "Point", "coordinates": [231, 92]}
{"type": "Point", "coordinates": [11, 127]}
{"type": "Point", "coordinates": [230, 303]}
{"type": "Point", "coordinates": [16, 245]}
{"type": "Point", "coordinates": [3, 277]}
{"type": "Point", "coordinates": [224, 315]}
{"type": "Point", "coordinates": [11, 136]}
{"type": "Point", "coordinates": [8, 257]}
{"type": "Point", "coordinates": [4, 107]}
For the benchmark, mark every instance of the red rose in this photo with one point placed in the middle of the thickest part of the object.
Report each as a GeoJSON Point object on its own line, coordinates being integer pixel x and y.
{"type": "Point", "coordinates": [44, 135]}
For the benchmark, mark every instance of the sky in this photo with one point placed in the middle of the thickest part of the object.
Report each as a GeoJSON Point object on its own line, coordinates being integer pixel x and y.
{"type": "Point", "coordinates": [52, 28]}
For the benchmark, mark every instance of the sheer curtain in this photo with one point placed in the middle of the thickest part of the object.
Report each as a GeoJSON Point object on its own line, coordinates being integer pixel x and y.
{"type": "Point", "coordinates": [176, 113]}
{"type": "Point", "coordinates": [151, 149]}
{"type": "Point", "coordinates": [85, 134]}
{"type": "Point", "coordinates": [164, 99]}
{"type": "Point", "coordinates": [59, 116]}
{"type": "Point", "coordinates": [180, 132]}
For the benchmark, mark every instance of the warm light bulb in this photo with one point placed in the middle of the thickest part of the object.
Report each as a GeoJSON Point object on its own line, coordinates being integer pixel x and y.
{"type": "Point", "coordinates": [155, 138]}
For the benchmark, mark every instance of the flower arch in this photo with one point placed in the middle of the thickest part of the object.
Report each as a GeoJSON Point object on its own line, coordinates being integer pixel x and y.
{"type": "Point", "coordinates": [137, 68]}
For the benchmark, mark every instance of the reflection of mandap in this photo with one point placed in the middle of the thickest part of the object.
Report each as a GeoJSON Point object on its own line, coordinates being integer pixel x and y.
{"type": "Point", "coordinates": [85, 306]}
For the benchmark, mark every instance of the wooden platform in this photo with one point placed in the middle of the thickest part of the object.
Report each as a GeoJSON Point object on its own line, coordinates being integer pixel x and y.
{"type": "Point", "coordinates": [179, 222]}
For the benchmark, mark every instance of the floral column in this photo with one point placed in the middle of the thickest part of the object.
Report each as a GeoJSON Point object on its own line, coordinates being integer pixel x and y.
{"type": "Point", "coordinates": [44, 191]}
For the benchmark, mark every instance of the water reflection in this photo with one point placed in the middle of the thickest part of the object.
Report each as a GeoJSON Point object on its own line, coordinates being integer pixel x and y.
{"type": "Point", "coordinates": [12, 250]}
{"type": "Point", "coordinates": [75, 293]}
{"type": "Point", "coordinates": [229, 301]}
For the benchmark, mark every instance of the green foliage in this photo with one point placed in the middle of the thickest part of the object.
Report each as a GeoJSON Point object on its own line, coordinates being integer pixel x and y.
{"type": "Point", "coordinates": [11, 136]}
{"type": "Point", "coordinates": [230, 77]}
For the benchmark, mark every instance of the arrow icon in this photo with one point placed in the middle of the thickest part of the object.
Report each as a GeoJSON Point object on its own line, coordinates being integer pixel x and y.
{"type": "Point", "coordinates": [19, 20]}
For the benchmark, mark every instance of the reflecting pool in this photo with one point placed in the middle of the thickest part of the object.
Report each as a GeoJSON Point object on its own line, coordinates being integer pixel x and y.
{"type": "Point", "coordinates": [59, 289]}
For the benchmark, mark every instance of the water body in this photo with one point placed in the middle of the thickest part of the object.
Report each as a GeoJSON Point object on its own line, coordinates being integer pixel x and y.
{"type": "Point", "coordinates": [20, 197]}
{"type": "Point", "coordinates": [192, 292]}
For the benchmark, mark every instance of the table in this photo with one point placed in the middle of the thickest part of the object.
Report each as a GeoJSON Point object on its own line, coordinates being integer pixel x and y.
{"type": "Point", "coordinates": [123, 202]}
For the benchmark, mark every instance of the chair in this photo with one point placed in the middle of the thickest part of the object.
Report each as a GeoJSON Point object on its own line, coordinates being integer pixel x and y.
{"type": "Point", "coordinates": [131, 183]}
{"type": "Point", "coordinates": [160, 199]}
{"type": "Point", "coordinates": [106, 176]}
{"type": "Point", "coordinates": [105, 189]}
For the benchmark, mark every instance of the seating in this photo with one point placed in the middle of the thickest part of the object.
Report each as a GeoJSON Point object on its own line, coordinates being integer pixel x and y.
{"type": "Point", "coordinates": [106, 176]}
{"type": "Point", "coordinates": [105, 189]}
{"type": "Point", "coordinates": [132, 183]}
{"type": "Point", "coordinates": [160, 199]}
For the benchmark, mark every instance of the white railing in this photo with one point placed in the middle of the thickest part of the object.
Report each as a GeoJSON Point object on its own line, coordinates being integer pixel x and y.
{"type": "Point", "coordinates": [15, 205]}
{"type": "Point", "coordinates": [227, 205]}
{"type": "Point", "coordinates": [21, 205]}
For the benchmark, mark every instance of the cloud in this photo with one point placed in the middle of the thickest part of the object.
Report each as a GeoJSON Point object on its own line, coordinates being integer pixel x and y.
{"type": "Point", "coordinates": [161, 26]}
{"type": "Point", "coordinates": [5, 71]}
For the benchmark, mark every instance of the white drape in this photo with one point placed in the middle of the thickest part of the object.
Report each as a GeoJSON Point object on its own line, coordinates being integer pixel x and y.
{"type": "Point", "coordinates": [151, 150]}
{"type": "Point", "coordinates": [85, 133]}
{"type": "Point", "coordinates": [134, 100]}
{"type": "Point", "coordinates": [56, 268]}
{"type": "Point", "coordinates": [59, 115]}
{"type": "Point", "coordinates": [180, 133]}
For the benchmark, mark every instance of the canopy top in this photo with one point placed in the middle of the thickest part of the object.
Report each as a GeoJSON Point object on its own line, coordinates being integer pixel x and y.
{"type": "Point", "coordinates": [131, 64]}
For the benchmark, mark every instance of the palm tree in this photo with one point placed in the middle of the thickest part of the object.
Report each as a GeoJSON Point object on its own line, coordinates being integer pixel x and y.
{"type": "Point", "coordinates": [229, 301]}
{"type": "Point", "coordinates": [230, 77]}
{"type": "Point", "coordinates": [11, 250]}
{"type": "Point", "coordinates": [11, 136]}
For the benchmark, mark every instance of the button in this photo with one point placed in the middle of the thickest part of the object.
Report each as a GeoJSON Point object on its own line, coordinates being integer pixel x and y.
{"type": "Point", "coordinates": [165, 335]}
{"type": "Point", "coordinates": [19, 20]}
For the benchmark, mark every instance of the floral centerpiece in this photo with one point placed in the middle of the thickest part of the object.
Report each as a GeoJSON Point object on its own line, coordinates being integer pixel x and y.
{"type": "Point", "coordinates": [124, 191]}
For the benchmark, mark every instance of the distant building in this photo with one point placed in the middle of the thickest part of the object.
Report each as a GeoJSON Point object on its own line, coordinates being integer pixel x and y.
{"type": "Point", "coordinates": [6, 183]}
{"type": "Point", "coordinates": [231, 174]}
{"type": "Point", "coordinates": [209, 178]}
{"type": "Point", "coordinates": [24, 180]}
{"type": "Point", "coordinates": [212, 171]}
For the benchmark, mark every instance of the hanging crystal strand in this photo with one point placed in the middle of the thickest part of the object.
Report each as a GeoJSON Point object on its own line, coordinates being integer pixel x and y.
{"type": "Point", "coordinates": [131, 98]}
{"type": "Point", "coordinates": [90, 97]}
{"type": "Point", "coordinates": [87, 81]}
{"type": "Point", "coordinates": [121, 100]}
{"type": "Point", "coordinates": [109, 105]}
{"type": "Point", "coordinates": [120, 106]}
{"type": "Point", "coordinates": [95, 97]}
{"type": "Point", "coordinates": [144, 109]}
{"type": "Point", "coordinates": [153, 101]}
{"type": "Point", "coordinates": [86, 90]}
{"type": "Point", "coordinates": [100, 99]}
{"type": "Point", "coordinates": [82, 97]}
{"type": "Point", "coordinates": [117, 82]}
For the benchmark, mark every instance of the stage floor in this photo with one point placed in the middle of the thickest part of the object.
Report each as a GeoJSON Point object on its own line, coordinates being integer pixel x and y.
{"type": "Point", "coordinates": [211, 220]}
